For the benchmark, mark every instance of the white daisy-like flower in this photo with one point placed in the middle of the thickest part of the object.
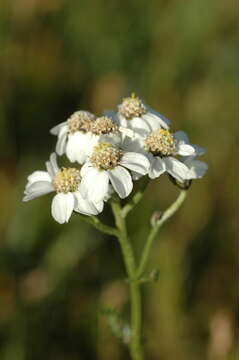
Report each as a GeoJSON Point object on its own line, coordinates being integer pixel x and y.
{"type": "Point", "coordinates": [161, 147]}
{"type": "Point", "coordinates": [107, 165]}
{"type": "Point", "coordinates": [134, 114]}
{"type": "Point", "coordinates": [66, 183]}
{"type": "Point", "coordinates": [73, 133]}
{"type": "Point", "coordinates": [82, 131]}
{"type": "Point", "coordinates": [78, 121]}
{"type": "Point", "coordinates": [196, 168]}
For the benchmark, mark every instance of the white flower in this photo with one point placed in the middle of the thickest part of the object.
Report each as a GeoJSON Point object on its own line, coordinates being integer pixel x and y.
{"type": "Point", "coordinates": [107, 165]}
{"type": "Point", "coordinates": [161, 148]}
{"type": "Point", "coordinates": [196, 168]}
{"type": "Point", "coordinates": [82, 131]}
{"type": "Point", "coordinates": [65, 182]}
{"type": "Point", "coordinates": [73, 134]}
{"type": "Point", "coordinates": [132, 113]}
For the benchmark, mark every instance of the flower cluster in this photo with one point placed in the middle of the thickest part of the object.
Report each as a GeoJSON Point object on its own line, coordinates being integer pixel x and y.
{"type": "Point", "coordinates": [111, 152]}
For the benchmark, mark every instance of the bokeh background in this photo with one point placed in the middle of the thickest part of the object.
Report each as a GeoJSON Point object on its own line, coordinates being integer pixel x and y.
{"type": "Point", "coordinates": [181, 57]}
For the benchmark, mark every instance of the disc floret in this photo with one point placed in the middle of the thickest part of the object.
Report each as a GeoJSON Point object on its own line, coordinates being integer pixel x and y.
{"type": "Point", "coordinates": [160, 142]}
{"type": "Point", "coordinates": [67, 180]}
{"type": "Point", "coordinates": [105, 156]}
{"type": "Point", "coordinates": [132, 107]}
{"type": "Point", "coordinates": [80, 121]}
{"type": "Point", "coordinates": [103, 125]}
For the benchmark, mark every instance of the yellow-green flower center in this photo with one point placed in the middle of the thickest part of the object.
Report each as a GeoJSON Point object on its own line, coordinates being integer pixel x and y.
{"type": "Point", "coordinates": [105, 156]}
{"type": "Point", "coordinates": [132, 107]}
{"type": "Point", "coordinates": [80, 121]}
{"type": "Point", "coordinates": [103, 125]}
{"type": "Point", "coordinates": [160, 142]}
{"type": "Point", "coordinates": [67, 180]}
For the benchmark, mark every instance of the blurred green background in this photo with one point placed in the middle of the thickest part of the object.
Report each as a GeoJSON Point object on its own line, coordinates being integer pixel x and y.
{"type": "Point", "coordinates": [181, 57]}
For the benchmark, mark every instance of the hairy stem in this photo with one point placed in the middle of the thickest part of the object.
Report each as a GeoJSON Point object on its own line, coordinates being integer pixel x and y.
{"type": "Point", "coordinates": [135, 296]}
{"type": "Point", "coordinates": [154, 231]}
{"type": "Point", "coordinates": [93, 220]}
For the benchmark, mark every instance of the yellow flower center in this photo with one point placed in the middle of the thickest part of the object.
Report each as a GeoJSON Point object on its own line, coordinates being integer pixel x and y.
{"type": "Point", "coordinates": [67, 180]}
{"type": "Point", "coordinates": [105, 156]}
{"type": "Point", "coordinates": [103, 125]}
{"type": "Point", "coordinates": [80, 121]}
{"type": "Point", "coordinates": [160, 142]}
{"type": "Point", "coordinates": [132, 107]}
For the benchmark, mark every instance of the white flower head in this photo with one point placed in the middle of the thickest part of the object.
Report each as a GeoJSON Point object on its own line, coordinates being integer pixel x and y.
{"type": "Point", "coordinates": [133, 113]}
{"type": "Point", "coordinates": [162, 147]}
{"type": "Point", "coordinates": [82, 131]}
{"type": "Point", "coordinates": [78, 122]}
{"type": "Point", "coordinates": [196, 168]}
{"type": "Point", "coordinates": [107, 165]}
{"type": "Point", "coordinates": [66, 183]}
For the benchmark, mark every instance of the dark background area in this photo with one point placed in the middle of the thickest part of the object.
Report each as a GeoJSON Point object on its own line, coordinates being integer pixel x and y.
{"type": "Point", "coordinates": [181, 57]}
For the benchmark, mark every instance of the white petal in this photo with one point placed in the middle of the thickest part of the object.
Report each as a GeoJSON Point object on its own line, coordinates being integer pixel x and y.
{"type": "Point", "coordinates": [138, 124]}
{"type": "Point", "coordinates": [62, 207]}
{"type": "Point", "coordinates": [94, 184]}
{"type": "Point", "coordinates": [136, 162]}
{"type": "Point", "coordinates": [156, 119]}
{"type": "Point", "coordinates": [121, 181]}
{"type": "Point", "coordinates": [38, 176]}
{"type": "Point", "coordinates": [133, 145]}
{"type": "Point", "coordinates": [157, 167]}
{"type": "Point", "coordinates": [122, 120]}
{"type": "Point", "coordinates": [156, 113]}
{"type": "Point", "coordinates": [152, 121]}
{"type": "Point", "coordinates": [109, 193]}
{"type": "Point", "coordinates": [87, 207]}
{"type": "Point", "coordinates": [197, 168]}
{"type": "Point", "coordinates": [52, 166]}
{"type": "Point", "coordinates": [90, 141]}
{"type": "Point", "coordinates": [176, 168]}
{"type": "Point", "coordinates": [77, 147]}
{"type": "Point", "coordinates": [61, 143]}
{"type": "Point", "coordinates": [181, 136]}
{"type": "Point", "coordinates": [49, 169]}
{"type": "Point", "coordinates": [185, 149]}
{"type": "Point", "coordinates": [74, 149]}
{"type": "Point", "coordinates": [56, 129]}
{"type": "Point", "coordinates": [127, 132]}
{"type": "Point", "coordinates": [37, 189]}
{"type": "Point", "coordinates": [85, 168]}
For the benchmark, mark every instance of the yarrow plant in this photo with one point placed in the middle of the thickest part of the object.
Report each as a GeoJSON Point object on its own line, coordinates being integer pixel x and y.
{"type": "Point", "coordinates": [117, 154]}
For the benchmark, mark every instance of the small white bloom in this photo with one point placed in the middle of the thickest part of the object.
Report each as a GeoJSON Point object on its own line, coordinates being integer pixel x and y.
{"type": "Point", "coordinates": [68, 131]}
{"type": "Point", "coordinates": [134, 114]}
{"type": "Point", "coordinates": [161, 147]}
{"type": "Point", "coordinates": [66, 183]}
{"type": "Point", "coordinates": [107, 165]}
{"type": "Point", "coordinates": [82, 131]}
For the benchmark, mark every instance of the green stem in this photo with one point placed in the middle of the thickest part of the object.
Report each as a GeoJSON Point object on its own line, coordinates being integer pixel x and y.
{"type": "Point", "coordinates": [135, 296]}
{"type": "Point", "coordinates": [153, 233]}
{"type": "Point", "coordinates": [93, 220]}
{"type": "Point", "coordinates": [136, 197]}
{"type": "Point", "coordinates": [136, 321]}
